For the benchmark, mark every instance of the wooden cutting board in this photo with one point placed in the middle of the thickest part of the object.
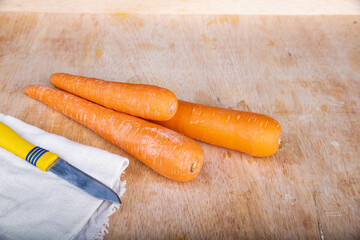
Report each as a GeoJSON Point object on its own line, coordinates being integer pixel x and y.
{"type": "Point", "coordinates": [302, 71]}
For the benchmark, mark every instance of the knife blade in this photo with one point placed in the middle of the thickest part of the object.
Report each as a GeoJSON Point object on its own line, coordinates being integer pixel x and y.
{"type": "Point", "coordinates": [48, 161]}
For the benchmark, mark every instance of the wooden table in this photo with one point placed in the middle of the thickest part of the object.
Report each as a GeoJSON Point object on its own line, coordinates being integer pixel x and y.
{"type": "Point", "coordinates": [304, 71]}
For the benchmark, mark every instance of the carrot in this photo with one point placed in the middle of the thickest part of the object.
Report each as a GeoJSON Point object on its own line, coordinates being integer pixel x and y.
{"type": "Point", "coordinates": [252, 133]}
{"type": "Point", "coordinates": [146, 101]}
{"type": "Point", "coordinates": [167, 152]}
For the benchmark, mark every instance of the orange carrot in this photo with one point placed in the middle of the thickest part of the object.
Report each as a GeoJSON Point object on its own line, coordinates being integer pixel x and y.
{"type": "Point", "coordinates": [252, 133]}
{"type": "Point", "coordinates": [140, 100]}
{"type": "Point", "coordinates": [167, 152]}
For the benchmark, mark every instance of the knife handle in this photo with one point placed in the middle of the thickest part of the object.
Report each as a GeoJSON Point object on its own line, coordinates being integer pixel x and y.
{"type": "Point", "coordinates": [37, 156]}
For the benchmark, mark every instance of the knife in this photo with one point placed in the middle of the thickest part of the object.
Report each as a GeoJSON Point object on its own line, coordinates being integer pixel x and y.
{"type": "Point", "coordinates": [48, 161]}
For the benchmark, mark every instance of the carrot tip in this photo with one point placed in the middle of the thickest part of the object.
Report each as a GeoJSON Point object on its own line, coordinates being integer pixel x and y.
{"type": "Point", "coordinates": [194, 166]}
{"type": "Point", "coordinates": [26, 90]}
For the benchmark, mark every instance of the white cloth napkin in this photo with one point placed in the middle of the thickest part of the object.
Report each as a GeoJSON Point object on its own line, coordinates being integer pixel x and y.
{"type": "Point", "coordinates": [39, 205]}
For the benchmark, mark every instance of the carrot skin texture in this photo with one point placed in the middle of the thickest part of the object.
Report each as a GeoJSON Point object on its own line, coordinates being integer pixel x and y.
{"type": "Point", "coordinates": [251, 133]}
{"type": "Point", "coordinates": [167, 152]}
{"type": "Point", "coordinates": [145, 101]}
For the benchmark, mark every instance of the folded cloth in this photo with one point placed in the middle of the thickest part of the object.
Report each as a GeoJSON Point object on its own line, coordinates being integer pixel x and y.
{"type": "Point", "coordinates": [35, 204]}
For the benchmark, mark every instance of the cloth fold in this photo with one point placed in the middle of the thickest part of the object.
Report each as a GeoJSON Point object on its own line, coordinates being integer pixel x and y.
{"type": "Point", "coordinates": [39, 205]}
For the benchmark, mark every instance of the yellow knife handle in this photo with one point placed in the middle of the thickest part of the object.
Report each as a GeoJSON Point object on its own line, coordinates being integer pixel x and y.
{"type": "Point", "coordinates": [37, 156]}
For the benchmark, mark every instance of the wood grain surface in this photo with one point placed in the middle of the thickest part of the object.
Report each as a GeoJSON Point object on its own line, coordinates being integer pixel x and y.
{"type": "Point", "coordinates": [302, 71]}
{"type": "Point", "coordinates": [288, 7]}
